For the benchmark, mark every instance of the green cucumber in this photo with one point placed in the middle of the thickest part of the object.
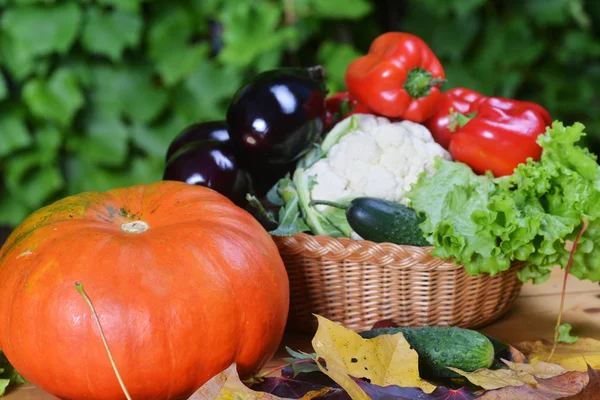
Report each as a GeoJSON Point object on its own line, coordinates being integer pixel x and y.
{"type": "Point", "coordinates": [440, 347]}
{"type": "Point", "coordinates": [381, 220]}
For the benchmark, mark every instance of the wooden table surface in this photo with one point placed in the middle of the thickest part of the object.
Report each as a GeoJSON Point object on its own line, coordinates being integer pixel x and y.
{"type": "Point", "coordinates": [532, 317]}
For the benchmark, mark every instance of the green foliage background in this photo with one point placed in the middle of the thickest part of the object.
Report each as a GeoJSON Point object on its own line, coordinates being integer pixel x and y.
{"type": "Point", "coordinates": [93, 91]}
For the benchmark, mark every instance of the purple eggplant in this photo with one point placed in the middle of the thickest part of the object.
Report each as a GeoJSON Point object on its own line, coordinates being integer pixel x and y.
{"type": "Point", "coordinates": [211, 130]}
{"type": "Point", "coordinates": [209, 163]}
{"type": "Point", "coordinates": [275, 118]}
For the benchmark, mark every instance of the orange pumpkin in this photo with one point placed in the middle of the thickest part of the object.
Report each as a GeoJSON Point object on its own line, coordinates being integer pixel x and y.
{"type": "Point", "coordinates": [184, 283]}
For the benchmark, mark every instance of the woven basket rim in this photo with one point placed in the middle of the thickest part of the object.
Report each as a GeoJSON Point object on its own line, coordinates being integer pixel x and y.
{"type": "Point", "coordinates": [367, 252]}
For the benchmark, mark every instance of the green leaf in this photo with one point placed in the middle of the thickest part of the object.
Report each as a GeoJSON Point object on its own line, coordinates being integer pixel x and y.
{"type": "Point", "coordinates": [153, 140]}
{"type": "Point", "coordinates": [58, 99]}
{"type": "Point", "coordinates": [336, 57]}
{"type": "Point", "coordinates": [3, 87]}
{"type": "Point", "coordinates": [341, 9]}
{"type": "Point", "coordinates": [12, 210]}
{"type": "Point", "coordinates": [212, 86]}
{"type": "Point", "coordinates": [106, 141]}
{"type": "Point", "coordinates": [291, 220]}
{"type": "Point", "coordinates": [40, 30]}
{"type": "Point", "coordinates": [169, 45]}
{"type": "Point", "coordinates": [27, 2]}
{"type": "Point", "coordinates": [83, 175]}
{"type": "Point", "coordinates": [17, 60]}
{"type": "Point", "coordinates": [564, 334]}
{"type": "Point", "coordinates": [48, 139]}
{"type": "Point", "coordinates": [31, 182]}
{"type": "Point", "coordinates": [252, 29]}
{"type": "Point", "coordinates": [129, 91]}
{"type": "Point", "coordinates": [556, 12]}
{"type": "Point", "coordinates": [125, 5]}
{"type": "Point", "coordinates": [111, 32]}
{"type": "Point", "coordinates": [207, 7]}
{"type": "Point", "coordinates": [447, 7]}
{"type": "Point", "coordinates": [13, 132]}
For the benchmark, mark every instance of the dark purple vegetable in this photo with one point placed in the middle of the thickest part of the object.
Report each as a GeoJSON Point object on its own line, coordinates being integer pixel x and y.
{"type": "Point", "coordinates": [275, 118]}
{"type": "Point", "coordinates": [210, 164]}
{"type": "Point", "coordinates": [212, 130]}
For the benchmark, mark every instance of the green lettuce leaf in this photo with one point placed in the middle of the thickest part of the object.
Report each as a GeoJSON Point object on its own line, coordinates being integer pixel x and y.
{"type": "Point", "coordinates": [487, 223]}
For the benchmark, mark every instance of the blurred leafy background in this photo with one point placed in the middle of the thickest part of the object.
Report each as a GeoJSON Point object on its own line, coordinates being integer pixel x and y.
{"type": "Point", "coordinates": [93, 91]}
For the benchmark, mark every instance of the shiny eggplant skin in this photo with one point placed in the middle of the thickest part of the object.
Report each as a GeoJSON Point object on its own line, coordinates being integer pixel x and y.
{"type": "Point", "coordinates": [275, 118]}
{"type": "Point", "coordinates": [209, 163]}
{"type": "Point", "coordinates": [211, 130]}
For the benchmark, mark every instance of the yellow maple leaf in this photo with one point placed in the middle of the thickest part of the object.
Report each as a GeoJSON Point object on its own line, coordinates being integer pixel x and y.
{"type": "Point", "coordinates": [384, 360]}
{"type": "Point", "coordinates": [569, 356]}
{"type": "Point", "coordinates": [517, 374]}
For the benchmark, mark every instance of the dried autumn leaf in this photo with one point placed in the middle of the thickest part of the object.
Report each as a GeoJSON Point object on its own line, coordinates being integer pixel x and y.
{"type": "Point", "coordinates": [396, 392]}
{"type": "Point", "coordinates": [592, 389]}
{"type": "Point", "coordinates": [573, 357]}
{"type": "Point", "coordinates": [293, 385]}
{"type": "Point", "coordinates": [555, 388]}
{"type": "Point", "coordinates": [228, 386]}
{"type": "Point", "coordinates": [517, 374]}
{"type": "Point", "coordinates": [384, 360]}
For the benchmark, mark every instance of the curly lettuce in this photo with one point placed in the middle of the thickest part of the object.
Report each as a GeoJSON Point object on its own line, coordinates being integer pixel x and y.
{"type": "Point", "coordinates": [487, 223]}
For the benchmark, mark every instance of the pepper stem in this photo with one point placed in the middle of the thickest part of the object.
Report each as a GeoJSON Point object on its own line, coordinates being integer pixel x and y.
{"type": "Point", "coordinates": [420, 81]}
{"type": "Point", "coordinates": [458, 120]}
{"type": "Point", "coordinates": [328, 203]}
{"type": "Point", "coordinates": [79, 287]}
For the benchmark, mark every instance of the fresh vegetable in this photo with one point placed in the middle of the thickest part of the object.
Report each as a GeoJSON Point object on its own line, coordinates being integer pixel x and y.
{"type": "Point", "coordinates": [399, 77]}
{"type": "Point", "coordinates": [209, 163]}
{"type": "Point", "coordinates": [276, 117]}
{"type": "Point", "coordinates": [362, 156]}
{"type": "Point", "coordinates": [487, 223]}
{"type": "Point", "coordinates": [178, 275]}
{"type": "Point", "coordinates": [381, 220]}
{"type": "Point", "coordinates": [211, 130]}
{"type": "Point", "coordinates": [454, 105]}
{"type": "Point", "coordinates": [367, 156]}
{"type": "Point", "coordinates": [489, 133]}
{"type": "Point", "coordinates": [440, 347]}
{"type": "Point", "coordinates": [340, 106]}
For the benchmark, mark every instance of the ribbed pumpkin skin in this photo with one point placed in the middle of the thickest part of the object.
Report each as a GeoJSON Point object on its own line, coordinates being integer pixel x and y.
{"type": "Point", "coordinates": [202, 288]}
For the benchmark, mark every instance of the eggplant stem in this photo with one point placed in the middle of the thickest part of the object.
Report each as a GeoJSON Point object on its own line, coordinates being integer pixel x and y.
{"type": "Point", "coordinates": [328, 203]}
{"type": "Point", "coordinates": [79, 287]}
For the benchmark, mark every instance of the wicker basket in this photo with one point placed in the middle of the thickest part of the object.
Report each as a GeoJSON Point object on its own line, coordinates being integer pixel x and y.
{"type": "Point", "coordinates": [358, 283]}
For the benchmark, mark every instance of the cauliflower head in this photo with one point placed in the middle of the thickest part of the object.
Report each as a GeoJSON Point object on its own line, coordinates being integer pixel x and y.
{"type": "Point", "coordinates": [372, 156]}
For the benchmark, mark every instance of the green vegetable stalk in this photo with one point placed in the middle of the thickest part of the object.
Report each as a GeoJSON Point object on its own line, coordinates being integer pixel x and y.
{"type": "Point", "coordinates": [487, 223]}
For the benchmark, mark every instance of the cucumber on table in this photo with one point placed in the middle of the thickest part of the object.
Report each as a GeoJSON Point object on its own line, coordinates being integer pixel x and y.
{"type": "Point", "coordinates": [440, 347]}
{"type": "Point", "coordinates": [382, 220]}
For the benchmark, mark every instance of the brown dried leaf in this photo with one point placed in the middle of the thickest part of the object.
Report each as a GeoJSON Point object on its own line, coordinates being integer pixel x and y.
{"type": "Point", "coordinates": [575, 357]}
{"type": "Point", "coordinates": [567, 384]}
{"type": "Point", "coordinates": [227, 385]}
{"type": "Point", "coordinates": [592, 390]}
{"type": "Point", "coordinates": [518, 374]}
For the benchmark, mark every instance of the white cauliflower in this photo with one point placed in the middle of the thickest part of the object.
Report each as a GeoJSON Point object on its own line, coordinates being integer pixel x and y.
{"type": "Point", "coordinates": [372, 156]}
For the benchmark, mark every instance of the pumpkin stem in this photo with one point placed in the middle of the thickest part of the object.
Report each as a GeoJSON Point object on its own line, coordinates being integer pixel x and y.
{"type": "Point", "coordinates": [135, 227]}
{"type": "Point", "coordinates": [79, 287]}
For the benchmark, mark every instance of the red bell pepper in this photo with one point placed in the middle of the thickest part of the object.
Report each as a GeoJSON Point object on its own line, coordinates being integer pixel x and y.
{"type": "Point", "coordinates": [489, 133]}
{"type": "Point", "coordinates": [340, 106]}
{"type": "Point", "coordinates": [443, 123]}
{"type": "Point", "coordinates": [398, 78]}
